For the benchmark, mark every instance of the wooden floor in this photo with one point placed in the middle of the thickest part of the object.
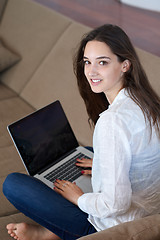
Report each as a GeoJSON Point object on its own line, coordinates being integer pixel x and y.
{"type": "Point", "coordinates": [142, 26]}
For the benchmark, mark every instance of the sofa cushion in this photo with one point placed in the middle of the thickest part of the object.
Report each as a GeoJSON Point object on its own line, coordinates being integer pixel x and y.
{"type": "Point", "coordinates": [7, 57]}
{"type": "Point", "coordinates": [11, 109]}
{"type": "Point", "coordinates": [6, 93]}
{"type": "Point", "coordinates": [147, 228]}
{"type": "Point", "coordinates": [10, 161]}
{"type": "Point", "coordinates": [33, 29]}
{"type": "Point", "coordinates": [2, 7]}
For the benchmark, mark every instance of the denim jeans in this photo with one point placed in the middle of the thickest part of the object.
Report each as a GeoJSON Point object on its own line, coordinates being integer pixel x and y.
{"type": "Point", "coordinates": [46, 207]}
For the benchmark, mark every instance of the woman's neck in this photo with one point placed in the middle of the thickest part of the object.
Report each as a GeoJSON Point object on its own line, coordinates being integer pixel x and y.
{"type": "Point", "coordinates": [111, 95]}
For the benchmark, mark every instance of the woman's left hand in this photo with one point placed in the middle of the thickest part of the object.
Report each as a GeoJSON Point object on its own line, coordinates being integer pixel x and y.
{"type": "Point", "coordinates": [68, 190]}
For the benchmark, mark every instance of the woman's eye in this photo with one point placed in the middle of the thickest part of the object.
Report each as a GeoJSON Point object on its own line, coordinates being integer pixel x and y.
{"type": "Point", "coordinates": [86, 62]}
{"type": "Point", "coordinates": [103, 63]}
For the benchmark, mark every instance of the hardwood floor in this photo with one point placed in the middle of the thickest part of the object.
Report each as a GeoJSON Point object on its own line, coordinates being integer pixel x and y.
{"type": "Point", "coordinates": [142, 26]}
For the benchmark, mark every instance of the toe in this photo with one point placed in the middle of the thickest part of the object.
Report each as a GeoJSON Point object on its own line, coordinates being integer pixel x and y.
{"type": "Point", "coordinates": [11, 226]}
{"type": "Point", "coordinates": [12, 234]}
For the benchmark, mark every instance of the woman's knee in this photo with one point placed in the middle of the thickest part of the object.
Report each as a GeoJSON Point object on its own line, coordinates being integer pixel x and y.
{"type": "Point", "coordinates": [11, 182]}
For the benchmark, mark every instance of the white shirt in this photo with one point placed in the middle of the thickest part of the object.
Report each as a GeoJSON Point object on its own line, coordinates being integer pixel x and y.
{"type": "Point", "coordinates": [126, 167]}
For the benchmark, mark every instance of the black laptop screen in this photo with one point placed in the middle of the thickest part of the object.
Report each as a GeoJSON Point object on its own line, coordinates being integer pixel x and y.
{"type": "Point", "coordinates": [43, 137]}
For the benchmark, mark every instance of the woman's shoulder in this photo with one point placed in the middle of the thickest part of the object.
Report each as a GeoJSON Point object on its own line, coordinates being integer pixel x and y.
{"type": "Point", "coordinates": [124, 112]}
{"type": "Point", "coordinates": [123, 108]}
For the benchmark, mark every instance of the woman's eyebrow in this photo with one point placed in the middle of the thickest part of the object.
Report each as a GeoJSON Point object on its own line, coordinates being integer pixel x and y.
{"type": "Point", "coordinates": [101, 57]}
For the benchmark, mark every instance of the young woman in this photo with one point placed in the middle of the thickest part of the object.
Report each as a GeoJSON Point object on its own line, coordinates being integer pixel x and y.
{"type": "Point", "coordinates": [125, 171]}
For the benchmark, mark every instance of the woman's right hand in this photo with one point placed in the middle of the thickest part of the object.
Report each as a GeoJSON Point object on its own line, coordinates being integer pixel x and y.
{"type": "Point", "coordinates": [86, 164]}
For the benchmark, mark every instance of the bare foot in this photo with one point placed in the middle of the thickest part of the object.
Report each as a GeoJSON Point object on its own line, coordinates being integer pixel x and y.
{"type": "Point", "coordinates": [24, 231]}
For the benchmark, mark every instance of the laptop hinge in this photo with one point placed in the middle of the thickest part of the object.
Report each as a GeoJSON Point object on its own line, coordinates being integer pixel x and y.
{"type": "Point", "coordinates": [55, 162]}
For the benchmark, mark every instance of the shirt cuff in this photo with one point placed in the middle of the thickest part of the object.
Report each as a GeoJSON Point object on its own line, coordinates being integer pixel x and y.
{"type": "Point", "coordinates": [82, 202]}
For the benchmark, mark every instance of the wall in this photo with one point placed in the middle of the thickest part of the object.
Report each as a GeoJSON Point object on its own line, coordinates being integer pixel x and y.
{"type": "Point", "coordinates": [153, 5]}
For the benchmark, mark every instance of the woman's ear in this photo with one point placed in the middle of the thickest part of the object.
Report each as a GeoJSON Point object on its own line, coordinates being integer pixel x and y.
{"type": "Point", "coordinates": [126, 65]}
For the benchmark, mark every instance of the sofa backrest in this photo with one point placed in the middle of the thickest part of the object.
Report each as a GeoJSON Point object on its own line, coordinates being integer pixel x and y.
{"type": "Point", "coordinates": [151, 65]}
{"type": "Point", "coordinates": [31, 30]}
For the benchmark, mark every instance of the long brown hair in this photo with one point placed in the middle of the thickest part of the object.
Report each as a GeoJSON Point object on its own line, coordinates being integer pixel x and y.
{"type": "Point", "coordinates": [135, 79]}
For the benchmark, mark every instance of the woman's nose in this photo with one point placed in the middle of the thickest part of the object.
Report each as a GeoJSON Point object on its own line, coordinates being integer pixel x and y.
{"type": "Point", "coordinates": [92, 70]}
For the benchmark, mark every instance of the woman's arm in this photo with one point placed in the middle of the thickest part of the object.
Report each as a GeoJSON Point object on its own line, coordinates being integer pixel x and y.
{"type": "Point", "coordinates": [110, 172]}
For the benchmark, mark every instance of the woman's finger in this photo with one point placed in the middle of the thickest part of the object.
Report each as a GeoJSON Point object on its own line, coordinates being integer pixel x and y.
{"type": "Point", "coordinates": [86, 172]}
{"type": "Point", "coordinates": [84, 162]}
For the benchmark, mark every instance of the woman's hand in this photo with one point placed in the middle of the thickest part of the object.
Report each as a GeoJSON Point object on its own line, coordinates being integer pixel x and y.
{"type": "Point", "coordinates": [68, 190]}
{"type": "Point", "coordinates": [85, 163]}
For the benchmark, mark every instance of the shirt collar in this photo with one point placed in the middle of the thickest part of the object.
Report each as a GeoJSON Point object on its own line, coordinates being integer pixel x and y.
{"type": "Point", "coordinates": [120, 96]}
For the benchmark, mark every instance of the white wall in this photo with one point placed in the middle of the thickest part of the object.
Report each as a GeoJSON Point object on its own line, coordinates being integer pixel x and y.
{"type": "Point", "coordinates": [153, 5]}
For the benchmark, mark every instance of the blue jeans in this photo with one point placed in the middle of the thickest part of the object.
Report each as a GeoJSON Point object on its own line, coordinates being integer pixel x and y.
{"type": "Point", "coordinates": [46, 207]}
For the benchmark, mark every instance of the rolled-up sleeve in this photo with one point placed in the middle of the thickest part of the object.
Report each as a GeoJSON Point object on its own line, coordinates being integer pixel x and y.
{"type": "Point", "coordinates": [111, 164]}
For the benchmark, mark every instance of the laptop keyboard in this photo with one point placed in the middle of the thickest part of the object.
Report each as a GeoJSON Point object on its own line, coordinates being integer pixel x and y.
{"type": "Point", "coordinates": [67, 171]}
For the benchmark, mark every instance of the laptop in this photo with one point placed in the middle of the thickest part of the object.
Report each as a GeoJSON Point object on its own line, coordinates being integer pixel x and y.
{"type": "Point", "coordinates": [48, 147]}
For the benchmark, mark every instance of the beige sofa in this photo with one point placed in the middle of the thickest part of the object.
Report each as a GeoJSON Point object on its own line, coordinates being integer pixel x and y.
{"type": "Point", "coordinates": [36, 49]}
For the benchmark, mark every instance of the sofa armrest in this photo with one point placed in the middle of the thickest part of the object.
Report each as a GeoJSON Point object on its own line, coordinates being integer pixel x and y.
{"type": "Point", "coordinates": [147, 228]}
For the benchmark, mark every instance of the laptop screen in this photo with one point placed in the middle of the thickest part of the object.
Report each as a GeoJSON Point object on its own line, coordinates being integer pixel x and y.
{"type": "Point", "coordinates": [43, 137]}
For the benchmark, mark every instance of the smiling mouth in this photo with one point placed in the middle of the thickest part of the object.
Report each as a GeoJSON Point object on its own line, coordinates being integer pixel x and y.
{"type": "Point", "coordinates": [95, 81]}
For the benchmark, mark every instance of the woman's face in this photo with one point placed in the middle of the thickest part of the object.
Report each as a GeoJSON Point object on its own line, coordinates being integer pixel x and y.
{"type": "Point", "coordinates": [102, 69]}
